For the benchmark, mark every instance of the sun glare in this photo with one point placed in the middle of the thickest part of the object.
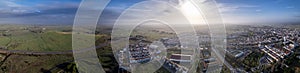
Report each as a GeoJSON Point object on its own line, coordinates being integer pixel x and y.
{"type": "Point", "coordinates": [191, 13]}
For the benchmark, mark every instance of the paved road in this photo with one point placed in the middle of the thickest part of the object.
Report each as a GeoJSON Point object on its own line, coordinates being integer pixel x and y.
{"type": "Point", "coordinates": [68, 52]}
{"type": "Point", "coordinates": [221, 57]}
{"type": "Point", "coordinates": [229, 66]}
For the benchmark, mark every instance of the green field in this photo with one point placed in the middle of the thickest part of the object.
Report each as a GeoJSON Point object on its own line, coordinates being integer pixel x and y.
{"type": "Point", "coordinates": [18, 37]}
{"type": "Point", "coordinates": [35, 64]}
{"type": "Point", "coordinates": [47, 41]}
{"type": "Point", "coordinates": [36, 38]}
{"type": "Point", "coordinates": [41, 38]}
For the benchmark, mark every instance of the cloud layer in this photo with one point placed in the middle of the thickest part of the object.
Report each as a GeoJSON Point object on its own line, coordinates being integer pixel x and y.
{"type": "Point", "coordinates": [47, 12]}
{"type": "Point", "coordinates": [63, 11]}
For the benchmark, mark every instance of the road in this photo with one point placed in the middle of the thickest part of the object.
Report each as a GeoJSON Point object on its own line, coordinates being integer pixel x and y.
{"type": "Point", "coordinates": [229, 66]}
{"type": "Point", "coordinates": [68, 52]}
{"type": "Point", "coordinates": [221, 57]}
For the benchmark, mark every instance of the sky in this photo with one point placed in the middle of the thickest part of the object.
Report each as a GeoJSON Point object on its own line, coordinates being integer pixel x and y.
{"type": "Point", "coordinates": [260, 11]}
{"type": "Point", "coordinates": [63, 11]}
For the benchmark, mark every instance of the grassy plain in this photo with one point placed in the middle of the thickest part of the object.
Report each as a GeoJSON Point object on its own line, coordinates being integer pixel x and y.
{"type": "Point", "coordinates": [36, 38]}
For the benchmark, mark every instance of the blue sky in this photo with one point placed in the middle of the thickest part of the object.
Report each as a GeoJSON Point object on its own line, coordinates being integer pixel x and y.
{"type": "Point", "coordinates": [38, 11]}
{"type": "Point", "coordinates": [261, 11]}
{"type": "Point", "coordinates": [63, 11]}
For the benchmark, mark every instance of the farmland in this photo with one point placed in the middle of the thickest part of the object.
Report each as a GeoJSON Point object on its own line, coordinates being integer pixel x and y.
{"type": "Point", "coordinates": [51, 45]}
{"type": "Point", "coordinates": [34, 39]}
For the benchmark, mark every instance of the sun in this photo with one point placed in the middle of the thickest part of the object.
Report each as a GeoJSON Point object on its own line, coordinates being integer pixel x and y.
{"type": "Point", "coordinates": [191, 13]}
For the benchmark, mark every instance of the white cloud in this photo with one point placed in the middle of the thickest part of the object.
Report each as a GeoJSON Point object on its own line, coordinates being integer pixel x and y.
{"type": "Point", "coordinates": [258, 10]}
{"type": "Point", "coordinates": [227, 7]}
{"type": "Point", "coordinates": [47, 12]}
{"type": "Point", "coordinates": [10, 7]}
{"type": "Point", "coordinates": [9, 3]}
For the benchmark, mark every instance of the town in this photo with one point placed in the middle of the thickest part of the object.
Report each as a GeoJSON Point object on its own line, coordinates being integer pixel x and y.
{"type": "Point", "coordinates": [263, 48]}
{"type": "Point", "coordinates": [253, 49]}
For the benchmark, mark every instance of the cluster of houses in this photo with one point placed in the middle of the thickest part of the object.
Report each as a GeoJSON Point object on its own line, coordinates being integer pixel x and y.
{"type": "Point", "coordinates": [207, 60]}
{"type": "Point", "coordinates": [139, 53]}
{"type": "Point", "coordinates": [142, 52]}
{"type": "Point", "coordinates": [170, 42]}
{"type": "Point", "coordinates": [236, 53]}
{"type": "Point", "coordinates": [37, 30]}
{"type": "Point", "coordinates": [181, 58]}
{"type": "Point", "coordinates": [172, 63]}
{"type": "Point", "coordinates": [277, 53]}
